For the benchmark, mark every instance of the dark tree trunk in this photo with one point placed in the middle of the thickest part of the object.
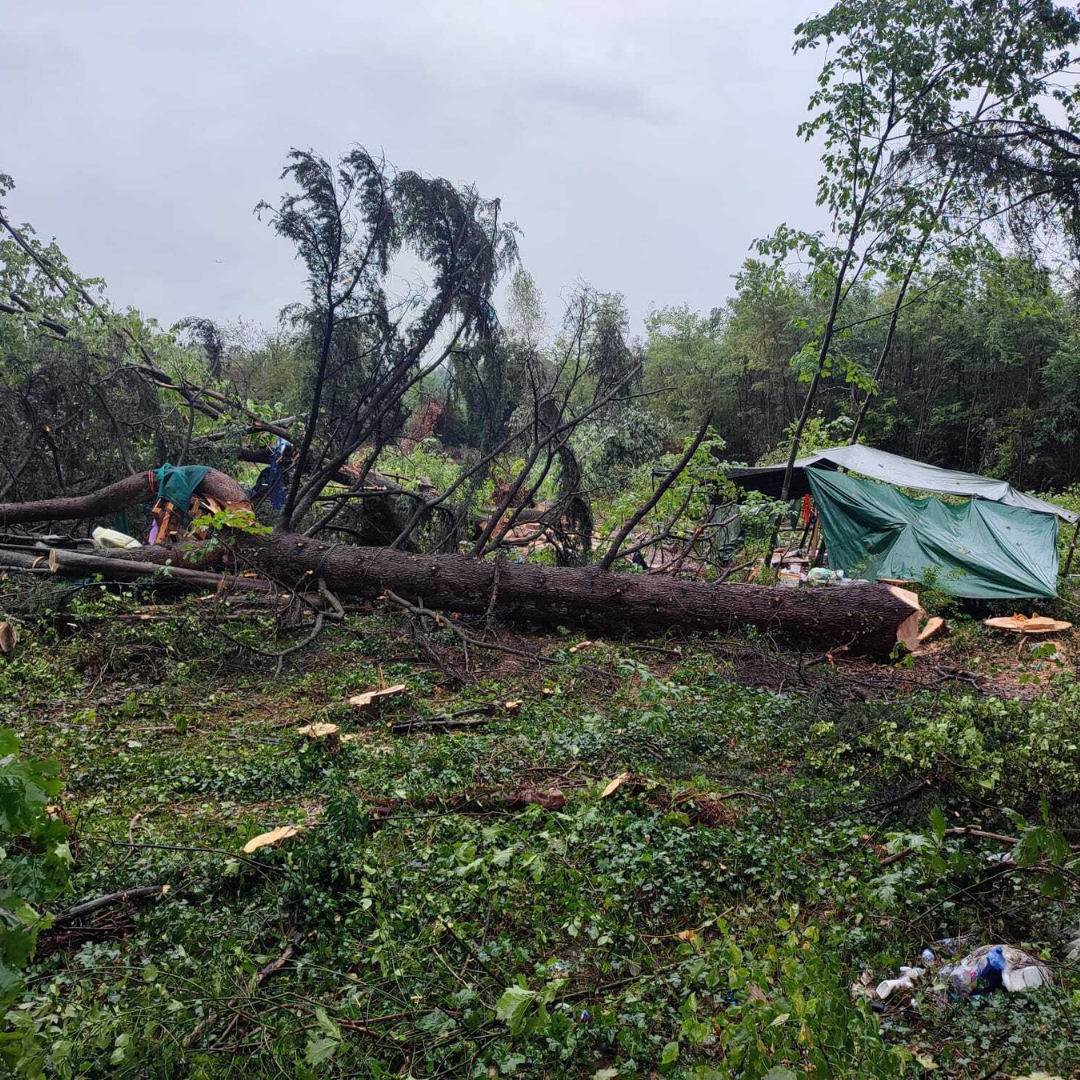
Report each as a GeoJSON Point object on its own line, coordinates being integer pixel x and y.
{"type": "Point", "coordinates": [865, 618]}
{"type": "Point", "coordinates": [137, 488]}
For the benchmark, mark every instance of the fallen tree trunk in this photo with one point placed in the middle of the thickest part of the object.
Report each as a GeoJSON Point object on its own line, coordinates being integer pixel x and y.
{"type": "Point", "coordinates": [863, 618]}
{"type": "Point", "coordinates": [140, 487]}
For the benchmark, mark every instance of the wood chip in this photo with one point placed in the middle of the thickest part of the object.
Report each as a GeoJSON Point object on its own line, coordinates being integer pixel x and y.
{"type": "Point", "coordinates": [9, 637]}
{"type": "Point", "coordinates": [687, 935]}
{"type": "Point", "coordinates": [272, 838]}
{"type": "Point", "coordinates": [614, 785]}
{"type": "Point", "coordinates": [373, 700]}
{"type": "Point", "coordinates": [1022, 624]}
{"type": "Point", "coordinates": [513, 706]}
{"type": "Point", "coordinates": [935, 627]}
{"type": "Point", "coordinates": [581, 645]}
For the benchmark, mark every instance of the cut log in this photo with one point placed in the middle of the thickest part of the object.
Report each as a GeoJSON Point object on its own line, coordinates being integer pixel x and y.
{"type": "Point", "coordinates": [907, 633]}
{"type": "Point", "coordinates": [75, 563]}
{"type": "Point", "coordinates": [124, 896]}
{"type": "Point", "coordinates": [137, 488]}
{"type": "Point", "coordinates": [868, 619]}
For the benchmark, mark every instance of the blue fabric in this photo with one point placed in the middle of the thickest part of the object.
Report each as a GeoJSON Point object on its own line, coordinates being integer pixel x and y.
{"type": "Point", "coordinates": [272, 479]}
{"type": "Point", "coordinates": [991, 972]}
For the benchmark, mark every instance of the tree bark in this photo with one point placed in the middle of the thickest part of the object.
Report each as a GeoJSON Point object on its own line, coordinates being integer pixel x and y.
{"type": "Point", "coordinates": [137, 488]}
{"type": "Point", "coordinates": [862, 618]}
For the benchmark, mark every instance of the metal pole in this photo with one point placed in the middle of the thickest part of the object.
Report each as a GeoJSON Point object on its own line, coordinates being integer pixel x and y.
{"type": "Point", "coordinates": [1072, 548]}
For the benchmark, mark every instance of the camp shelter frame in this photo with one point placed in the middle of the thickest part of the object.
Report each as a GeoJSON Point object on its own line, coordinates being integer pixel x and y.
{"type": "Point", "coordinates": [924, 534]}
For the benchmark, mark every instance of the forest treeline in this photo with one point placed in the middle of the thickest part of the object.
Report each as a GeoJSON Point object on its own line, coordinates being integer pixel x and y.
{"type": "Point", "coordinates": [984, 373]}
{"type": "Point", "coordinates": [984, 376]}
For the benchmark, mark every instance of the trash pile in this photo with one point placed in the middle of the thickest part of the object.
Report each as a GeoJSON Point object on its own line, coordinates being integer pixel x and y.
{"type": "Point", "coordinates": [981, 971]}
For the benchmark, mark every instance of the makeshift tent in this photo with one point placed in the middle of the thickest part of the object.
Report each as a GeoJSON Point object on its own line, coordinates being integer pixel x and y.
{"type": "Point", "coordinates": [893, 469]}
{"type": "Point", "coordinates": [978, 549]}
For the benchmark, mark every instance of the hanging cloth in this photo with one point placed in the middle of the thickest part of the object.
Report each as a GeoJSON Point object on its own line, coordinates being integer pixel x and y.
{"type": "Point", "coordinates": [176, 485]}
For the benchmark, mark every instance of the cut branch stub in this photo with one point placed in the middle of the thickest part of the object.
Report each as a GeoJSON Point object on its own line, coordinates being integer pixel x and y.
{"type": "Point", "coordinates": [329, 735]}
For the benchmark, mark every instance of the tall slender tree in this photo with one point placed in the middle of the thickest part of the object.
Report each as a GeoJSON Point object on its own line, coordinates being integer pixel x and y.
{"type": "Point", "coordinates": [348, 223]}
{"type": "Point", "coordinates": [898, 76]}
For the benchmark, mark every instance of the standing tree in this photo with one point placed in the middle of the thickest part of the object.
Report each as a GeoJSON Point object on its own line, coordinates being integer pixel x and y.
{"type": "Point", "coordinates": [367, 348]}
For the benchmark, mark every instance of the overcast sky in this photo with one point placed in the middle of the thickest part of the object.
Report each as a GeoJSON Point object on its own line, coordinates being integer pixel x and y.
{"type": "Point", "coordinates": [640, 146]}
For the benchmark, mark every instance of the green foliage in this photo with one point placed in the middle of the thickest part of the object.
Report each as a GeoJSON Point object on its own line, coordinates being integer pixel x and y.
{"type": "Point", "coordinates": [990, 746]}
{"type": "Point", "coordinates": [703, 482]}
{"type": "Point", "coordinates": [34, 857]}
{"type": "Point", "coordinates": [220, 523]}
{"type": "Point", "coordinates": [818, 434]}
{"type": "Point", "coordinates": [935, 599]}
{"type": "Point", "coordinates": [626, 933]}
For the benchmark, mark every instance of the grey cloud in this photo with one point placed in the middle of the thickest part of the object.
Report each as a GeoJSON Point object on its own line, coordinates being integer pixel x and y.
{"type": "Point", "coordinates": [640, 146]}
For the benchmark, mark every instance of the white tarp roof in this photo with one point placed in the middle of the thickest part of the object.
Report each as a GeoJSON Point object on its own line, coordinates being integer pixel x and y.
{"type": "Point", "coordinates": [903, 472]}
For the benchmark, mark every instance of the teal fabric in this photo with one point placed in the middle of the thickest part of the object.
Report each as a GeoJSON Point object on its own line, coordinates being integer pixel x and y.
{"type": "Point", "coordinates": [177, 483]}
{"type": "Point", "coordinates": [977, 549]}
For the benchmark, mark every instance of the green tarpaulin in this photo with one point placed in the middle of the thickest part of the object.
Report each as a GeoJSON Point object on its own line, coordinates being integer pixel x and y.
{"type": "Point", "coordinates": [977, 549]}
{"type": "Point", "coordinates": [177, 483]}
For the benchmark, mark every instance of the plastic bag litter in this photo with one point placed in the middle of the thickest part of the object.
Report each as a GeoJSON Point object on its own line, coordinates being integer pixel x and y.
{"type": "Point", "coordinates": [983, 970]}
{"type": "Point", "coordinates": [906, 981]}
{"type": "Point", "coordinates": [993, 967]}
{"type": "Point", "coordinates": [1072, 947]}
{"type": "Point", "coordinates": [112, 539]}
